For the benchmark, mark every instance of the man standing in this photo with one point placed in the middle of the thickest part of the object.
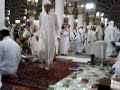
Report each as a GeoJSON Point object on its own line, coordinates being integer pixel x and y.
{"type": "Point", "coordinates": [116, 33]}
{"type": "Point", "coordinates": [10, 53]}
{"type": "Point", "coordinates": [32, 28]}
{"type": "Point", "coordinates": [90, 40]}
{"type": "Point", "coordinates": [47, 35]}
{"type": "Point", "coordinates": [99, 32]}
{"type": "Point", "coordinates": [79, 40]}
{"type": "Point", "coordinates": [64, 40]}
{"type": "Point", "coordinates": [109, 38]}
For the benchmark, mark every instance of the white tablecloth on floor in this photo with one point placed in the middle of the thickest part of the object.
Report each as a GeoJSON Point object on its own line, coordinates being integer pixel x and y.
{"type": "Point", "coordinates": [117, 43]}
{"type": "Point", "coordinates": [115, 85]}
{"type": "Point", "coordinates": [75, 83]}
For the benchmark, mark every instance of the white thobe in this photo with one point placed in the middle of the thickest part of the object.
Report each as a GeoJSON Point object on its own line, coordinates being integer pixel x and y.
{"type": "Point", "coordinates": [57, 41]}
{"type": "Point", "coordinates": [79, 40]}
{"type": "Point", "coordinates": [116, 34]}
{"type": "Point", "coordinates": [85, 42]}
{"type": "Point", "coordinates": [90, 41]}
{"type": "Point", "coordinates": [64, 42]}
{"type": "Point", "coordinates": [31, 40]}
{"type": "Point", "coordinates": [71, 43]}
{"type": "Point", "coordinates": [109, 38]}
{"type": "Point", "coordinates": [47, 37]}
{"type": "Point", "coordinates": [10, 56]}
{"type": "Point", "coordinates": [100, 33]}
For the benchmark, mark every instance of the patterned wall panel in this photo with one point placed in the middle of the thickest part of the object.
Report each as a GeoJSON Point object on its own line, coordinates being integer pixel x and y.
{"type": "Point", "coordinates": [17, 9]}
{"type": "Point", "coordinates": [110, 7]}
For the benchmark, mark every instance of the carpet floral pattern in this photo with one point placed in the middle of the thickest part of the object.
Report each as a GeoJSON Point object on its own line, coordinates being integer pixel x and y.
{"type": "Point", "coordinates": [33, 74]}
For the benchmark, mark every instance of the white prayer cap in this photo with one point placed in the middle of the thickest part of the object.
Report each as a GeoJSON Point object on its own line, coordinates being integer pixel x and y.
{"type": "Point", "coordinates": [47, 2]}
{"type": "Point", "coordinates": [88, 27]}
{"type": "Point", "coordinates": [3, 28]}
{"type": "Point", "coordinates": [111, 23]}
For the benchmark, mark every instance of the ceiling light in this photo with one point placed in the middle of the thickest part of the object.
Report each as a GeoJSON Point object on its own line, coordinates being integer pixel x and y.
{"type": "Point", "coordinates": [102, 19]}
{"type": "Point", "coordinates": [29, 0]}
{"type": "Point", "coordinates": [106, 19]}
{"type": "Point", "coordinates": [76, 20]}
{"type": "Point", "coordinates": [24, 17]}
{"type": "Point", "coordinates": [64, 16]}
{"type": "Point", "coordinates": [36, 1]}
{"type": "Point", "coordinates": [17, 21]}
{"type": "Point", "coordinates": [97, 14]}
{"type": "Point", "coordinates": [69, 4]}
{"type": "Point", "coordinates": [102, 14]}
{"type": "Point", "coordinates": [8, 12]}
{"type": "Point", "coordinates": [67, 16]}
{"type": "Point", "coordinates": [89, 6]}
{"type": "Point", "coordinates": [7, 18]}
{"type": "Point", "coordinates": [82, 5]}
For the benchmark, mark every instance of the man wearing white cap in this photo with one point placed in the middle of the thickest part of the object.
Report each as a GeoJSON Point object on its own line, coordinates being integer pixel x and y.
{"type": "Point", "coordinates": [90, 40]}
{"type": "Point", "coordinates": [109, 38]}
{"type": "Point", "coordinates": [79, 40]}
{"type": "Point", "coordinates": [10, 54]}
{"type": "Point", "coordinates": [47, 35]}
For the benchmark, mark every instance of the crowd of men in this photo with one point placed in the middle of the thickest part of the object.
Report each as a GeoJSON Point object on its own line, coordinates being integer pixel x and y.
{"type": "Point", "coordinates": [49, 39]}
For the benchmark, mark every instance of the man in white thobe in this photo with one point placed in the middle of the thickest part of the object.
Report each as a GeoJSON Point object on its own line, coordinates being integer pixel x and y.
{"type": "Point", "coordinates": [47, 35]}
{"type": "Point", "coordinates": [116, 37]}
{"type": "Point", "coordinates": [109, 38]}
{"type": "Point", "coordinates": [116, 33]}
{"type": "Point", "coordinates": [99, 32]}
{"type": "Point", "coordinates": [64, 40]}
{"type": "Point", "coordinates": [90, 40]}
{"type": "Point", "coordinates": [32, 28]}
{"type": "Point", "coordinates": [79, 40]}
{"type": "Point", "coordinates": [10, 54]}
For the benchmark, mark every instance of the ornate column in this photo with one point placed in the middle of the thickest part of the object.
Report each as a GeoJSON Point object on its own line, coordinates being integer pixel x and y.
{"type": "Point", "coordinates": [71, 18]}
{"type": "Point", "coordinates": [32, 5]}
{"type": "Point", "coordinates": [80, 20]}
{"type": "Point", "coordinates": [32, 14]}
{"type": "Point", "coordinates": [59, 10]}
{"type": "Point", "coordinates": [91, 18]}
{"type": "Point", "coordinates": [2, 13]}
{"type": "Point", "coordinates": [80, 16]}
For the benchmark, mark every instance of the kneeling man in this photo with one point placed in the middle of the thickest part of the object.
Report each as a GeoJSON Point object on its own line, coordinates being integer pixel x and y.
{"type": "Point", "coordinates": [10, 54]}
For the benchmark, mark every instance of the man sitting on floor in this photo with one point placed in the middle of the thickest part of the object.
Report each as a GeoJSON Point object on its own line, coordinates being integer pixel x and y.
{"type": "Point", "coordinates": [10, 54]}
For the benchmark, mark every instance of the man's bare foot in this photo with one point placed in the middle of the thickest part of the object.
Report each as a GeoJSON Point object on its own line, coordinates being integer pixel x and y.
{"type": "Point", "coordinates": [41, 65]}
{"type": "Point", "coordinates": [47, 68]}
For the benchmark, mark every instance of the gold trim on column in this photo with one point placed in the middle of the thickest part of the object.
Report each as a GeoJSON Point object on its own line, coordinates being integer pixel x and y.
{"type": "Point", "coordinates": [31, 12]}
{"type": "Point", "coordinates": [80, 10]}
{"type": "Point", "coordinates": [70, 10]}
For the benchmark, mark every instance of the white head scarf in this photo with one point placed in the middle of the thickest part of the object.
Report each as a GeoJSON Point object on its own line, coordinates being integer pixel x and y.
{"type": "Point", "coordinates": [47, 2]}
{"type": "Point", "coordinates": [88, 27]}
{"type": "Point", "coordinates": [110, 26]}
{"type": "Point", "coordinates": [111, 23]}
{"type": "Point", "coordinates": [44, 3]}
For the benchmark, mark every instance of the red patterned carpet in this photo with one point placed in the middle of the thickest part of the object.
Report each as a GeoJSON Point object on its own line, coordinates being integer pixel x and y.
{"type": "Point", "coordinates": [33, 75]}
